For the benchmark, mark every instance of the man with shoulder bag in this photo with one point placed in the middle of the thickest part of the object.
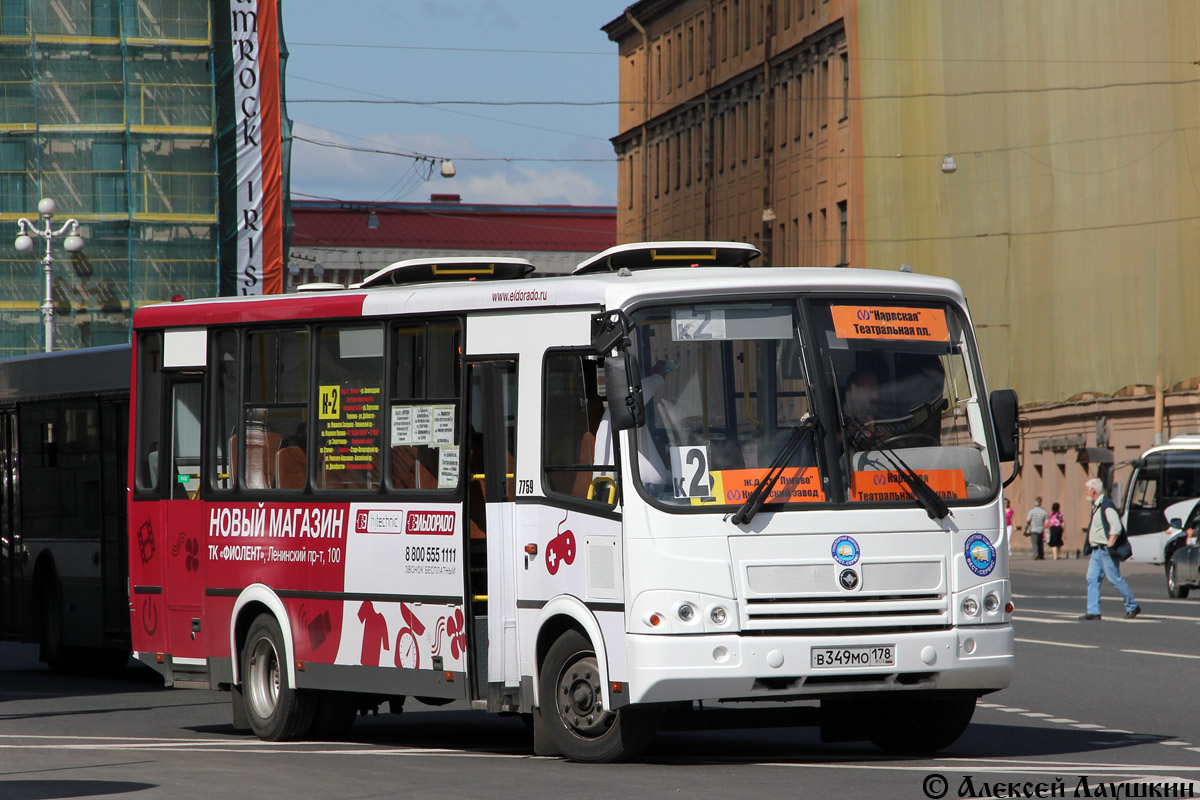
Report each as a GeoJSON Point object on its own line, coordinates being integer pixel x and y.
{"type": "Point", "coordinates": [1106, 546]}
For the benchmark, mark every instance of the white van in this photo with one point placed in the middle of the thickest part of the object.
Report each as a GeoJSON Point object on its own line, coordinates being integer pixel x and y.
{"type": "Point", "coordinates": [1164, 486]}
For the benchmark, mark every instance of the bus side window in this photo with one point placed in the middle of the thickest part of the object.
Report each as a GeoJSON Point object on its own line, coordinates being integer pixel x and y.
{"type": "Point", "coordinates": [275, 409]}
{"type": "Point", "coordinates": [424, 407]}
{"type": "Point", "coordinates": [149, 413]}
{"type": "Point", "coordinates": [578, 457]}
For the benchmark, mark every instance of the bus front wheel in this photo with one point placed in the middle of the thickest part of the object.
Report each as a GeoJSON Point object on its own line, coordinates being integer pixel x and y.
{"type": "Point", "coordinates": [915, 724]}
{"type": "Point", "coordinates": [275, 710]}
{"type": "Point", "coordinates": [572, 707]}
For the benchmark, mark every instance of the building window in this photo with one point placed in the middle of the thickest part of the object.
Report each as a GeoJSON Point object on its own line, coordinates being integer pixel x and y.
{"type": "Point", "coordinates": [105, 19]}
{"type": "Point", "coordinates": [845, 86]}
{"type": "Point", "coordinates": [667, 78]}
{"type": "Point", "coordinates": [667, 167]}
{"type": "Point", "coordinates": [654, 168]}
{"type": "Point", "coordinates": [784, 110]}
{"type": "Point", "coordinates": [687, 157]}
{"type": "Point", "coordinates": [629, 180]}
{"type": "Point", "coordinates": [785, 11]}
{"type": "Point", "coordinates": [679, 59]}
{"type": "Point", "coordinates": [844, 257]}
{"type": "Point", "coordinates": [657, 73]}
{"type": "Point", "coordinates": [12, 18]}
{"type": "Point", "coordinates": [737, 21]}
{"type": "Point", "coordinates": [755, 132]}
{"type": "Point", "coordinates": [823, 94]}
{"type": "Point", "coordinates": [108, 164]}
{"type": "Point", "coordinates": [12, 176]}
{"type": "Point", "coordinates": [702, 50]}
{"type": "Point", "coordinates": [691, 51]}
{"type": "Point", "coordinates": [724, 31]}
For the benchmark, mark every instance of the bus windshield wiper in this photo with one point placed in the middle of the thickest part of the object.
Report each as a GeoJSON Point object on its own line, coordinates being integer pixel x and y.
{"type": "Point", "coordinates": [930, 500]}
{"type": "Point", "coordinates": [761, 492]}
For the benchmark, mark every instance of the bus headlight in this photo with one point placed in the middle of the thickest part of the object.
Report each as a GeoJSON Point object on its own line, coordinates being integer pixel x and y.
{"type": "Point", "coordinates": [970, 607]}
{"type": "Point", "coordinates": [718, 615]}
{"type": "Point", "coordinates": [991, 603]}
{"type": "Point", "coordinates": [687, 612]}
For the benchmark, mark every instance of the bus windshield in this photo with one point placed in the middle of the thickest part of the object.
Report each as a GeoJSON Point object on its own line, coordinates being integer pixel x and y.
{"type": "Point", "coordinates": [728, 390]}
{"type": "Point", "coordinates": [906, 392]}
{"type": "Point", "coordinates": [724, 386]}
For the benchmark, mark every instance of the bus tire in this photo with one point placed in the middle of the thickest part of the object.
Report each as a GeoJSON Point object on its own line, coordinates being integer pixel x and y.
{"type": "Point", "coordinates": [917, 724]}
{"type": "Point", "coordinates": [275, 710]}
{"type": "Point", "coordinates": [570, 707]}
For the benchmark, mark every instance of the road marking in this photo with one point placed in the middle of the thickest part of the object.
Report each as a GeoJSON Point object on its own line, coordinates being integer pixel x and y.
{"type": "Point", "coordinates": [1060, 644]}
{"type": "Point", "coordinates": [1177, 743]}
{"type": "Point", "coordinates": [1035, 714]}
{"type": "Point", "coordinates": [1064, 720]}
{"type": "Point", "coordinates": [1088, 725]}
{"type": "Point", "coordinates": [1156, 653]}
{"type": "Point", "coordinates": [1048, 621]}
{"type": "Point", "coordinates": [1007, 710]}
{"type": "Point", "coordinates": [1145, 617]}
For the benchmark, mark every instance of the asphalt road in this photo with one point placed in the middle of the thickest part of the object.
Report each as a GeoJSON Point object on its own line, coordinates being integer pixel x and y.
{"type": "Point", "coordinates": [1112, 700]}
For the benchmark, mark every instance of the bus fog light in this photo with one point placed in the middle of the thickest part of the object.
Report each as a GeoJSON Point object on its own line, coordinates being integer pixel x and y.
{"type": "Point", "coordinates": [991, 603]}
{"type": "Point", "coordinates": [687, 612]}
{"type": "Point", "coordinates": [969, 646]}
{"type": "Point", "coordinates": [970, 607]}
{"type": "Point", "coordinates": [721, 654]}
{"type": "Point", "coordinates": [718, 615]}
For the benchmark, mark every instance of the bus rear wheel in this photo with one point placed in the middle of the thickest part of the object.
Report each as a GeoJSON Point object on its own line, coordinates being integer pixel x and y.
{"type": "Point", "coordinates": [572, 707]}
{"type": "Point", "coordinates": [275, 710]}
{"type": "Point", "coordinates": [916, 724]}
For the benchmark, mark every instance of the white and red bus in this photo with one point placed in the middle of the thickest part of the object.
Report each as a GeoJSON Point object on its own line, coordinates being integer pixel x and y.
{"type": "Point", "coordinates": [666, 482]}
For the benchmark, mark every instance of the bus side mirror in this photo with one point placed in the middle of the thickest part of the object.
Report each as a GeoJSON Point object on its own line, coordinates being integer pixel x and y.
{"type": "Point", "coordinates": [623, 386]}
{"type": "Point", "coordinates": [1176, 522]}
{"type": "Point", "coordinates": [1004, 421]}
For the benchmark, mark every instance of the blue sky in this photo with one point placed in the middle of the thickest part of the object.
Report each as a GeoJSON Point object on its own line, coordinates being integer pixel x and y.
{"type": "Point", "coordinates": [437, 50]}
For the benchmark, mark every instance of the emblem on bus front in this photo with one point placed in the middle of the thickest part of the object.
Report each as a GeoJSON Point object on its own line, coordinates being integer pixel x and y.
{"type": "Point", "coordinates": [980, 553]}
{"type": "Point", "coordinates": [845, 551]}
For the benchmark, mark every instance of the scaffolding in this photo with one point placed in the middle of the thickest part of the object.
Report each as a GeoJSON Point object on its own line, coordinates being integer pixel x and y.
{"type": "Point", "coordinates": [108, 107]}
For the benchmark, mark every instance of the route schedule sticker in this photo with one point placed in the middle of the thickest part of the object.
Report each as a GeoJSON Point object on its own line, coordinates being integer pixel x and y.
{"type": "Point", "coordinates": [890, 322]}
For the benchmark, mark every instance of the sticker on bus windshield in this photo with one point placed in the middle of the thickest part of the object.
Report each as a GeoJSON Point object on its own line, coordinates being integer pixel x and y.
{"type": "Point", "coordinates": [348, 427]}
{"type": "Point", "coordinates": [689, 472]}
{"type": "Point", "coordinates": [890, 322]}
{"type": "Point", "coordinates": [980, 554]}
{"type": "Point", "coordinates": [883, 486]}
{"type": "Point", "coordinates": [697, 325]}
{"type": "Point", "coordinates": [443, 425]}
{"type": "Point", "coordinates": [795, 485]}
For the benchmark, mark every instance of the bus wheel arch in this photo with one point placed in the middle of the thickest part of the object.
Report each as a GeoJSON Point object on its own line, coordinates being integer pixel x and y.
{"type": "Point", "coordinates": [561, 614]}
{"type": "Point", "coordinates": [254, 601]}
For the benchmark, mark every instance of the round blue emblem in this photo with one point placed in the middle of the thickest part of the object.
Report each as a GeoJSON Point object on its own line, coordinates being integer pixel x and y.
{"type": "Point", "coordinates": [980, 553]}
{"type": "Point", "coordinates": [845, 551]}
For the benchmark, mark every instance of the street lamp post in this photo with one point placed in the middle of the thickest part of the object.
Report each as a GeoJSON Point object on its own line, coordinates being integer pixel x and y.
{"type": "Point", "coordinates": [73, 243]}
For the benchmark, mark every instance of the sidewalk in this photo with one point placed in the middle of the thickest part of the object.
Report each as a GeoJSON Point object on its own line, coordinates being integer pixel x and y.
{"type": "Point", "coordinates": [1022, 560]}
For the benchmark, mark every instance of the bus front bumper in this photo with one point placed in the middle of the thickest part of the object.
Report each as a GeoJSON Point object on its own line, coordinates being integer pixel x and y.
{"type": "Point", "coordinates": [668, 668]}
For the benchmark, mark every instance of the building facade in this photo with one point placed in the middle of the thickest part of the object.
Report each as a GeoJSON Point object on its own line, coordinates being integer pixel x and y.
{"type": "Point", "coordinates": [1044, 155]}
{"type": "Point", "coordinates": [735, 122]}
{"type": "Point", "coordinates": [344, 242]}
{"type": "Point", "coordinates": [107, 107]}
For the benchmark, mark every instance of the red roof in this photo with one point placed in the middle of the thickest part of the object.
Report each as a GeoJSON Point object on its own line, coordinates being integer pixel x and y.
{"type": "Point", "coordinates": [454, 226]}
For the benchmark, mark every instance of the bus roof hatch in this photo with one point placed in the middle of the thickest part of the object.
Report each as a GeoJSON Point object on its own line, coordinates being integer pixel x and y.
{"type": "Point", "coordinates": [653, 255]}
{"type": "Point", "coordinates": [459, 268]}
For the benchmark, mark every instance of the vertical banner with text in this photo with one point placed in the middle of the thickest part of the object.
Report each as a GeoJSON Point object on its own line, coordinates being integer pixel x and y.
{"type": "Point", "coordinates": [250, 143]}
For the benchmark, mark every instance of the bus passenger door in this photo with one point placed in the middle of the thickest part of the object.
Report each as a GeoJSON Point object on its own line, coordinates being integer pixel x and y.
{"type": "Point", "coordinates": [184, 521]}
{"type": "Point", "coordinates": [491, 468]}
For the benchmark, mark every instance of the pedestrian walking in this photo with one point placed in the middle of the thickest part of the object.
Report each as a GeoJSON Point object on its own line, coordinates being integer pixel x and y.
{"type": "Point", "coordinates": [1054, 531]}
{"type": "Point", "coordinates": [1035, 528]}
{"type": "Point", "coordinates": [1103, 531]}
